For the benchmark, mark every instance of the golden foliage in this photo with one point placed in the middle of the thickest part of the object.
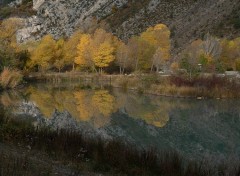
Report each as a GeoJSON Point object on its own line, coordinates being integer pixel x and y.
{"type": "Point", "coordinates": [104, 55]}
{"type": "Point", "coordinates": [83, 50]}
{"type": "Point", "coordinates": [103, 102]}
{"type": "Point", "coordinates": [84, 106]}
{"type": "Point", "coordinates": [59, 61]}
{"type": "Point", "coordinates": [70, 48]}
{"type": "Point", "coordinates": [44, 54]}
{"type": "Point", "coordinates": [8, 29]}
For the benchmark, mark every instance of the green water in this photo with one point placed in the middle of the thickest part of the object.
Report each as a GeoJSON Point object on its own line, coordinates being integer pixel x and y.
{"type": "Point", "coordinates": [196, 128]}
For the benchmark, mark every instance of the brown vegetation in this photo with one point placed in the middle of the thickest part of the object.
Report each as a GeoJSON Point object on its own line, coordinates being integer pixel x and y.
{"type": "Point", "coordinates": [110, 157]}
{"type": "Point", "coordinates": [10, 78]}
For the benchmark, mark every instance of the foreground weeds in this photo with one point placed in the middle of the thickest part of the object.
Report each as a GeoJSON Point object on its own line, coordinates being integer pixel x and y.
{"type": "Point", "coordinates": [96, 155]}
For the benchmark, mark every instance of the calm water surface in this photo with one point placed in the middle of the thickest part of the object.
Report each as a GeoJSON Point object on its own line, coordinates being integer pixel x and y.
{"type": "Point", "coordinates": [196, 128]}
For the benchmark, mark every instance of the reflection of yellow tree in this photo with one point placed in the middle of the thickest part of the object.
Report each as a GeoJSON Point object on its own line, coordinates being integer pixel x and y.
{"type": "Point", "coordinates": [152, 111]}
{"type": "Point", "coordinates": [43, 99]}
{"type": "Point", "coordinates": [103, 102]}
{"type": "Point", "coordinates": [65, 100]}
{"type": "Point", "coordinates": [84, 106]}
{"type": "Point", "coordinates": [47, 100]}
{"type": "Point", "coordinates": [96, 108]}
{"type": "Point", "coordinates": [157, 118]}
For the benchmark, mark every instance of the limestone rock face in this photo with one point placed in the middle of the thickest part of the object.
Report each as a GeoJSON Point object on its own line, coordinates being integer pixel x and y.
{"type": "Point", "coordinates": [60, 17]}
{"type": "Point", "coordinates": [187, 19]}
{"type": "Point", "coordinates": [37, 4]}
{"type": "Point", "coordinates": [15, 3]}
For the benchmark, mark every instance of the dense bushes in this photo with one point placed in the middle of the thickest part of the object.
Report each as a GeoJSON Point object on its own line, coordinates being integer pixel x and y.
{"type": "Point", "coordinates": [10, 78]}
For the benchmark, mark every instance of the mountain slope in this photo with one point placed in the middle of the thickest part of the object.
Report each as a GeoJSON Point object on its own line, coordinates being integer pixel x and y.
{"type": "Point", "coordinates": [187, 19]}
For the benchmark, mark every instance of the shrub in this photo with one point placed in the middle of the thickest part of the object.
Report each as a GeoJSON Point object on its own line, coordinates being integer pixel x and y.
{"type": "Point", "coordinates": [237, 63]}
{"type": "Point", "coordinates": [10, 78]}
{"type": "Point", "coordinates": [236, 23]}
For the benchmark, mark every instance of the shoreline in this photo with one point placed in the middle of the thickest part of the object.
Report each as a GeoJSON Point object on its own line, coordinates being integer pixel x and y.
{"type": "Point", "coordinates": [151, 84]}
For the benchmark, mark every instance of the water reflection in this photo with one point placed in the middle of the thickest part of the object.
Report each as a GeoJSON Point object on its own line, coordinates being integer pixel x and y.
{"type": "Point", "coordinates": [96, 106]}
{"type": "Point", "coordinates": [191, 126]}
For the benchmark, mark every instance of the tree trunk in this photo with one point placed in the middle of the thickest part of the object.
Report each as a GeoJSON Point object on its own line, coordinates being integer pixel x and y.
{"type": "Point", "coordinates": [152, 65]}
{"type": "Point", "coordinates": [73, 67]}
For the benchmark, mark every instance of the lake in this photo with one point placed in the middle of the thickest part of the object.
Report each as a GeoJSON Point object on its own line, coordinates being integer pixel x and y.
{"type": "Point", "coordinates": [195, 128]}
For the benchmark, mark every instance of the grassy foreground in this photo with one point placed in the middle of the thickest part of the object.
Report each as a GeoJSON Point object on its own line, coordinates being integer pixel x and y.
{"type": "Point", "coordinates": [95, 155]}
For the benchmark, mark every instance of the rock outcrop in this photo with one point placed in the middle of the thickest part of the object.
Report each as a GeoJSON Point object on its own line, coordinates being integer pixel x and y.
{"type": "Point", "coordinates": [188, 19]}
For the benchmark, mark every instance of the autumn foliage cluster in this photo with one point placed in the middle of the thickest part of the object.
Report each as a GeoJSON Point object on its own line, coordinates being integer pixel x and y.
{"type": "Point", "coordinates": [211, 55]}
{"type": "Point", "coordinates": [102, 50]}
{"type": "Point", "coordinates": [99, 51]}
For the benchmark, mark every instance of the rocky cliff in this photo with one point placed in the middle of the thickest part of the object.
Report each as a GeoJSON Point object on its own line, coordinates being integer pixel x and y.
{"type": "Point", "coordinates": [187, 19]}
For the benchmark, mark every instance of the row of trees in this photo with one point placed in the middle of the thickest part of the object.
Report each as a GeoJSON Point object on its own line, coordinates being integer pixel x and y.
{"type": "Point", "coordinates": [101, 50]}
{"type": "Point", "coordinates": [211, 55]}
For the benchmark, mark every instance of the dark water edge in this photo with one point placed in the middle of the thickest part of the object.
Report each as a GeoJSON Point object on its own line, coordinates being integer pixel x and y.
{"type": "Point", "coordinates": [95, 155]}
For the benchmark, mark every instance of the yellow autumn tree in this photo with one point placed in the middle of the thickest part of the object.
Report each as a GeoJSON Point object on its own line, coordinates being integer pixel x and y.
{"type": "Point", "coordinates": [59, 61]}
{"type": "Point", "coordinates": [103, 56]}
{"type": "Point", "coordinates": [70, 48]}
{"type": "Point", "coordinates": [83, 51]}
{"type": "Point", "coordinates": [8, 29]}
{"type": "Point", "coordinates": [230, 54]}
{"type": "Point", "coordinates": [158, 37]}
{"type": "Point", "coordinates": [43, 56]}
{"type": "Point", "coordinates": [9, 49]}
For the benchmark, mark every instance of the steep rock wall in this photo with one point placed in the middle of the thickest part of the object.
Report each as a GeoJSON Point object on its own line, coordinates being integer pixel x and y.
{"type": "Point", "coordinates": [187, 19]}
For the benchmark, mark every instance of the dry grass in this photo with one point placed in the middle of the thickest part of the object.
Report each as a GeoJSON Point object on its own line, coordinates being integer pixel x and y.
{"type": "Point", "coordinates": [11, 164]}
{"type": "Point", "coordinates": [10, 78]}
{"type": "Point", "coordinates": [206, 87]}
